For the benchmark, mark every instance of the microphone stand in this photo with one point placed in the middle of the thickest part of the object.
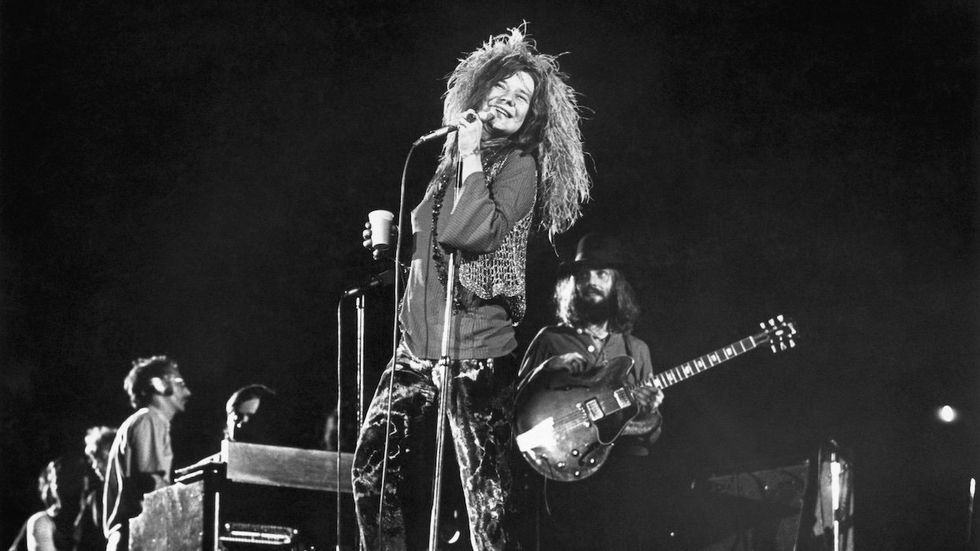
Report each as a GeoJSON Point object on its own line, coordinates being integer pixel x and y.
{"type": "Point", "coordinates": [359, 306]}
{"type": "Point", "coordinates": [970, 543]}
{"type": "Point", "coordinates": [446, 377]}
{"type": "Point", "coordinates": [360, 366]}
{"type": "Point", "coordinates": [835, 490]}
{"type": "Point", "coordinates": [340, 393]}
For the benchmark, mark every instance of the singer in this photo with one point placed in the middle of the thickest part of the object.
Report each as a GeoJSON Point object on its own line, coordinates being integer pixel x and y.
{"type": "Point", "coordinates": [519, 147]}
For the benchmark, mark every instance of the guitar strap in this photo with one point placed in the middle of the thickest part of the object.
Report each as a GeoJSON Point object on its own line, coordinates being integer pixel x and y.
{"type": "Point", "coordinates": [626, 343]}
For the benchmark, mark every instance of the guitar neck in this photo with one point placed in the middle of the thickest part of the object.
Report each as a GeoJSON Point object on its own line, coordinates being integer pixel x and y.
{"type": "Point", "coordinates": [701, 364]}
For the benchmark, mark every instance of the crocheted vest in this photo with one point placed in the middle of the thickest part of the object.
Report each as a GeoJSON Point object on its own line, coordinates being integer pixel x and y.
{"type": "Point", "coordinates": [501, 272]}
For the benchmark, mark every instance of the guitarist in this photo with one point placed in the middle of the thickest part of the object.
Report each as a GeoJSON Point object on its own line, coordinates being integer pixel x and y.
{"type": "Point", "coordinates": [596, 308]}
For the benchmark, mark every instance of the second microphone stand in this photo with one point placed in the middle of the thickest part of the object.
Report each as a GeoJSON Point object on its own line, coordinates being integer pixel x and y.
{"type": "Point", "coordinates": [360, 363]}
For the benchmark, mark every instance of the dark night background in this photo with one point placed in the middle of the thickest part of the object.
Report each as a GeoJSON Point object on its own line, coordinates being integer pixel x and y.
{"type": "Point", "coordinates": [189, 178]}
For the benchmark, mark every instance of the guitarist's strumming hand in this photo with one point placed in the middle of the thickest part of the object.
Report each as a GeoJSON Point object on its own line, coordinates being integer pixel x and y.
{"type": "Point", "coordinates": [573, 362]}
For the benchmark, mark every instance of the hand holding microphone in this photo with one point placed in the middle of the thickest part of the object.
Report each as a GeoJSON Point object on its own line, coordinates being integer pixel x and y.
{"type": "Point", "coordinates": [470, 131]}
{"type": "Point", "coordinates": [469, 116]}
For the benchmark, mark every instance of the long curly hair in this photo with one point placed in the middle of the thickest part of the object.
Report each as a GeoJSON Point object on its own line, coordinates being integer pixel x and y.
{"type": "Point", "coordinates": [551, 129]}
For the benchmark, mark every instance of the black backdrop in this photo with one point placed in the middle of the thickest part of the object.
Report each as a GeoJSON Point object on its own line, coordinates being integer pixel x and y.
{"type": "Point", "coordinates": [189, 178]}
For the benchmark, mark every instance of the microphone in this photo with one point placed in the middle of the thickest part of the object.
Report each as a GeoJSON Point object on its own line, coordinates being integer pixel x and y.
{"type": "Point", "coordinates": [383, 279]}
{"type": "Point", "coordinates": [485, 116]}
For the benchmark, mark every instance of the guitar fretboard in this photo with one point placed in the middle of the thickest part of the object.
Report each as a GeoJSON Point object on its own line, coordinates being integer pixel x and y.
{"type": "Point", "coordinates": [701, 364]}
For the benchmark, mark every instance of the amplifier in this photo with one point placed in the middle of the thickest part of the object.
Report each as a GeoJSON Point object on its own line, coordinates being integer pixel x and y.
{"type": "Point", "coordinates": [264, 535]}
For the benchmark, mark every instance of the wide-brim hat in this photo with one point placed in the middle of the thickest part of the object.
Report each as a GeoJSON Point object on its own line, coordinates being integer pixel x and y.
{"type": "Point", "coordinates": [596, 251]}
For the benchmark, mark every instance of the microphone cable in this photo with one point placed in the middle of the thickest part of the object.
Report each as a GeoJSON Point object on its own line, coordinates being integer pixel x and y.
{"type": "Point", "coordinates": [340, 415]}
{"type": "Point", "coordinates": [394, 340]}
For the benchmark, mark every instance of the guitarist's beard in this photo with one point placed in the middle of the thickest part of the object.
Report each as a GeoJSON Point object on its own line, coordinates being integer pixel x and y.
{"type": "Point", "coordinates": [593, 311]}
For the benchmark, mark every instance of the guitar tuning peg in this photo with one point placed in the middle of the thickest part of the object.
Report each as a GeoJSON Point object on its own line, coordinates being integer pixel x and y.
{"type": "Point", "coordinates": [780, 318]}
{"type": "Point", "coordinates": [762, 324]}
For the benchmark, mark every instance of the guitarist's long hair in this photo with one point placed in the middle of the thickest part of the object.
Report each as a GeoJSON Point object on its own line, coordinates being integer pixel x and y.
{"type": "Point", "coordinates": [625, 310]}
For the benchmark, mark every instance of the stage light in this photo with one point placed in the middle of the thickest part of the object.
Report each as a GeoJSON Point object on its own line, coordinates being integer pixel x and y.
{"type": "Point", "coordinates": [947, 414]}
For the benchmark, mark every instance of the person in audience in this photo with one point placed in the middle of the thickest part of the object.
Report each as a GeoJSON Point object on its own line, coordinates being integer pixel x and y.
{"type": "Point", "coordinates": [61, 488]}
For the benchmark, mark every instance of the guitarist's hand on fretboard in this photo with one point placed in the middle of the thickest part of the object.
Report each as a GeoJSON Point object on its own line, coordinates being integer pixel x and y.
{"type": "Point", "coordinates": [648, 398]}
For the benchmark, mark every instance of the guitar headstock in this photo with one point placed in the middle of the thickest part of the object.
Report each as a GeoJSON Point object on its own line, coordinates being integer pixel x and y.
{"type": "Point", "coordinates": [780, 331]}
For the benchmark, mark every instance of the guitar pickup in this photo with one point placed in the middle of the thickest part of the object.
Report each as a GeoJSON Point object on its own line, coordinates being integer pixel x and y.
{"type": "Point", "coordinates": [593, 410]}
{"type": "Point", "coordinates": [622, 398]}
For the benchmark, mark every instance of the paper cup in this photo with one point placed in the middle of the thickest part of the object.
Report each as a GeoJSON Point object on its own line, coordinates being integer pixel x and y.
{"type": "Point", "coordinates": [381, 228]}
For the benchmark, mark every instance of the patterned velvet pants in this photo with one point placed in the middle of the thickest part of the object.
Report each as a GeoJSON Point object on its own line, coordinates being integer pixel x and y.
{"type": "Point", "coordinates": [479, 416]}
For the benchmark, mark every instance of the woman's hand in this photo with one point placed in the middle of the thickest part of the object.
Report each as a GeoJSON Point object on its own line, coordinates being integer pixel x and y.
{"type": "Point", "coordinates": [369, 243]}
{"type": "Point", "coordinates": [469, 133]}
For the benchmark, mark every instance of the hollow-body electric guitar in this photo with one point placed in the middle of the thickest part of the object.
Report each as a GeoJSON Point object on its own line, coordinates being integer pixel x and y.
{"type": "Point", "coordinates": [566, 424]}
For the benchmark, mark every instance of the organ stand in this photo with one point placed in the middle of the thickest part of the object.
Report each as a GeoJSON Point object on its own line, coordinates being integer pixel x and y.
{"type": "Point", "coordinates": [248, 496]}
